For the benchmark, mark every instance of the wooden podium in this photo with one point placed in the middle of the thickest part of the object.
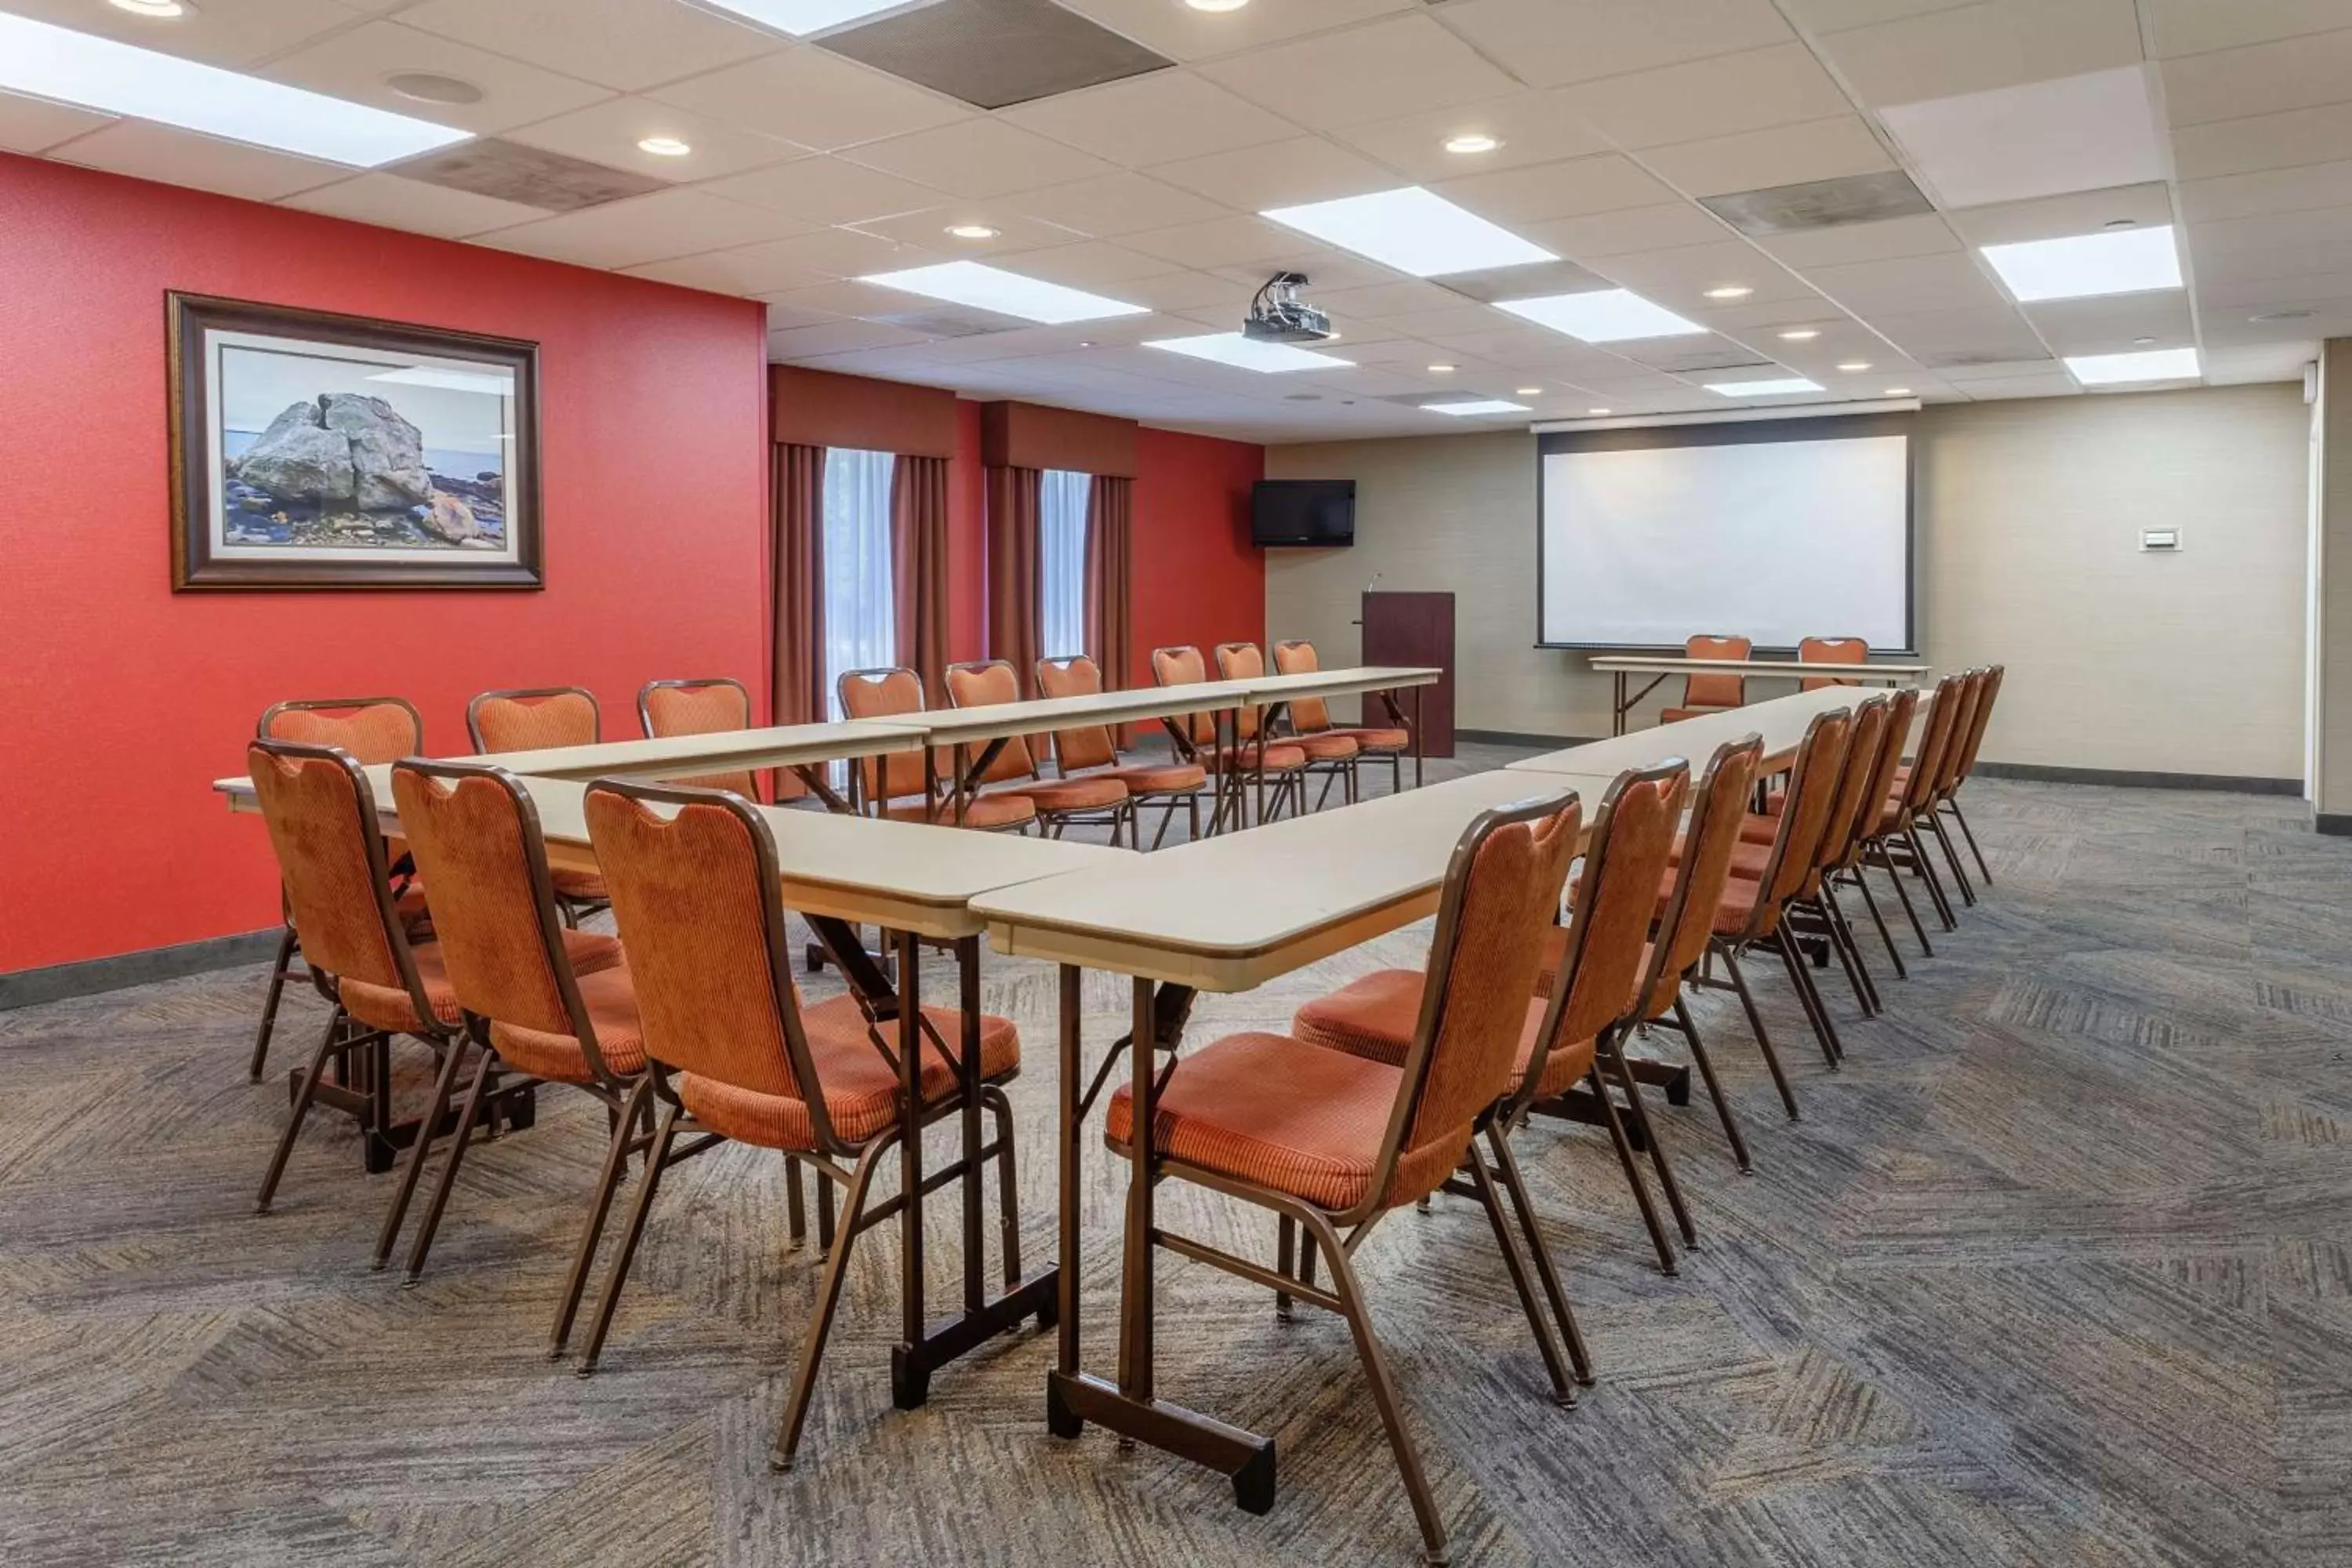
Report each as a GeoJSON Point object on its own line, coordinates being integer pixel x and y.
{"type": "Point", "coordinates": [1415, 630]}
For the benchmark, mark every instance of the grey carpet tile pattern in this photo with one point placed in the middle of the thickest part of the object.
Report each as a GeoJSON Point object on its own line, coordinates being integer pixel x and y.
{"type": "Point", "coordinates": [2057, 1271]}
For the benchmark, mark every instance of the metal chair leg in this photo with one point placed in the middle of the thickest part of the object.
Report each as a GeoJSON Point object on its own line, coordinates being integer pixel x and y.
{"type": "Point", "coordinates": [1924, 870]}
{"type": "Point", "coordinates": [1755, 1027]}
{"type": "Point", "coordinates": [583, 1255]}
{"type": "Point", "coordinates": [1960, 817]}
{"type": "Point", "coordinates": [1809, 998]}
{"type": "Point", "coordinates": [269, 1004]}
{"type": "Point", "coordinates": [445, 1085]}
{"type": "Point", "coordinates": [1613, 1045]}
{"type": "Point", "coordinates": [1887, 937]}
{"type": "Point", "coordinates": [1515, 1186]}
{"type": "Point", "coordinates": [1951, 856]}
{"type": "Point", "coordinates": [1008, 1185]}
{"type": "Point", "coordinates": [1894, 875]}
{"type": "Point", "coordinates": [1286, 1254]}
{"type": "Point", "coordinates": [431, 1224]}
{"type": "Point", "coordinates": [1642, 1201]}
{"type": "Point", "coordinates": [828, 1299]}
{"type": "Point", "coordinates": [1713, 1089]}
{"type": "Point", "coordinates": [656, 1158]}
{"type": "Point", "coordinates": [328, 1045]}
{"type": "Point", "coordinates": [1563, 1389]}
{"type": "Point", "coordinates": [795, 1205]}
{"type": "Point", "coordinates": [1842, 943]}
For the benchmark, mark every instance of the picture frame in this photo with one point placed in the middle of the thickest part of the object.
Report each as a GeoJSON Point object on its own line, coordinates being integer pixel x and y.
{"type": "Point", "coordinates": [311, 451]}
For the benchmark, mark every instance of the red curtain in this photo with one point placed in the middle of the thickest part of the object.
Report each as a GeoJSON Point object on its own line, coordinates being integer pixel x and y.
{"type": "Point", "coordinates": [918, 568]}
{"type": "Point", "coordinates": [1015, 611]}
{"type": "Point", "coordinates": [796, 659]}
{"type": "Point", "coordinates": [1110, 550]}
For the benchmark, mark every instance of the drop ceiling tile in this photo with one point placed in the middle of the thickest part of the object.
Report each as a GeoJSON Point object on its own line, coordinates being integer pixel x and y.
{"type": "Point", "coordinates": [1925, 234]}
{"type": "Point", "coordinates": [152, 151]}
{"type": "Point", "coordinates": [748, 270]}
{"type": "Point", "coordinates": [1283, 173]}
{"type": "Point", "coordinates": [2276, 234]}
{"type": "Point", "coordinates": [1554, 42]}
{"type": "Point", "coordinates": [853, 252]}
{"type": "Point", "coordinates": [1533, 127]}
{"type": "Point", "coordinates": [836, 337]}
{"type": "Point", "coordinates": [825, 191]}
{"type": "Point", "coordinates": [392, 202]}
{"type": "Point", "coordinates": [233, 33]}
{"type": "Point", "coordinates": [816, 99]}
{"type": "Point", "coordinates": [2196, 27]}
{"type": "Point", "coordinates": [2258, 362]}
{"type": "Point", "coordinates": [624, 44]}
{"type": "Point", "coordinates": [2057, 218]}
{"type": "Point", "coordinates": [1329, 269]}
{"type": "Point", "coordinates": [1723, 96]}
{"type": "Point", "coordinates": [1155, 117]}
{"type": "Point", "coordinates": [1454, 321]}
{"type": "Point", "coordinates": [1574, 188]}
{"type": "Point", "coordinates": [841, 299]}
{"type": "Point", "coordinates": [1991, 335]}
{"type": "Point", "coordinates": [353, 64]}
{"type": "Point", "coordinates": [2222, 299]}
{"type": "Point", "coordinates": [1383, 302]}
{"type": "Point", "coordinates": [1835, 16]}
{"type": "Point", "coordinates": [1656, 227]}
{"type": "Point", "coordinates": [2214, 264]}
{"type": "Point", "coordinates": [2299, 136]}
{"type": "Point", "coordinates": [2073, 134]}
{"type": "Point", "coordinates": [1378, 72]}
{"type": "Point", "coordinates": [929, 226]}
{"type": "Point", "coordinates": [1757, 160]}
{"type": "Point", "coordinates": [2267, 191]}
{"type": "Point", "coordinates": [1115, 204]}
{"type": "Point", "coordinates": [1975, 48]}
{"type": "Point", "coordinates": [1189, 292]}
{"type": "Point", "coordinates": [1679, 279]}
{"type": "Point", "coordinates": [980, 158]}
{"type": "Point", "coordinates": [2260, 79]}
{"type": "Point", "coordinates": [655, 227]}
{"type": "Point", "coordinates": [1089, 264]}
{"type": "Point", "coordinates": [1224, 242]}
{"type": "Point", "coordinates": [2114, 324]}
{"type": "Point", "coordinates": [2048, 384]}
{"type": "Point", "coordinates": [1907, 284]}
{"type": "Point", "coordinates": [608, 133]}
{"type": "Point", "coordinates": [36, 125]}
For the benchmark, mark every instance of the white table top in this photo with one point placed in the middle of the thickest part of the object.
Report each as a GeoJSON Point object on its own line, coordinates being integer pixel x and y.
{"type": "Point", "coordinates": [1781, 721]}
{"type": "Point", "coordinates": [718, 752]}
{"type": "Point", "coordinates": [1787, 668]}
{"type": "Point", "coordinates": [1231, 912]}
{"type": "Point", "coordinates": [967, 726]}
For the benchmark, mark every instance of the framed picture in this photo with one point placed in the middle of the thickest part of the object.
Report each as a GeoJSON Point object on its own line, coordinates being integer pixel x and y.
{"type": "Point", "coordinates": [314, 451]}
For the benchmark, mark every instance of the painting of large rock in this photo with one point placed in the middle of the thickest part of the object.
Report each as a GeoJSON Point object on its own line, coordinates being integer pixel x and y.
{"type": "Point", "coordinates": [299, 456]}
{"type": "Point", "coordinates": [387, 451]}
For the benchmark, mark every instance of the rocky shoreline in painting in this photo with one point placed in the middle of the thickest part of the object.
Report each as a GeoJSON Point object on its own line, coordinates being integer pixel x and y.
{"type": "Point", "coordinates": [348, 471]}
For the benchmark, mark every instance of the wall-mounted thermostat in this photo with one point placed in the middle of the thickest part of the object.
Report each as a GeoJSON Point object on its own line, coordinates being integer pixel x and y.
{"type": "Point", "coordinates": [2159, 538]}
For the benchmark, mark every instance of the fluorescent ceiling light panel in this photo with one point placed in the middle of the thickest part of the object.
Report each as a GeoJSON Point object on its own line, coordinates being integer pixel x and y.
{"type": "Point", "coordinates": [1602, 316]}
{"type": "Point", "coordinates": [1763, 388]}
{"type": "Point", "coordinates": [2121, 262]}
{"type": "Point", "coordinates": [2155, 364]}
{"type": "Point", "coordinates": [1481, 406]}
{"type": "Point", "coordinates": [66, 67]}
{"type": "Point", "coordinates": [803, 18]}
{"type": "Point", "coordinates": [1412, 231]}
{"type": "Point", "coordinates": [1249, 353]}
{"type": "Point", "coordinates": [1007, 293]}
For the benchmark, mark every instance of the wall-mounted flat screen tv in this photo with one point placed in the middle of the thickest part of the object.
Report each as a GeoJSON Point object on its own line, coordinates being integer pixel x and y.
{"type": "Point", "coordinates": [1303, 512]}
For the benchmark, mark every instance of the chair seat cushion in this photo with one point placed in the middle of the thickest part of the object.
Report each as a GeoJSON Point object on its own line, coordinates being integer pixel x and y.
{"type": "Point", "coordinates": [1376, 740]}
{"type": "Point", "coordinates": [611, 1003]}
{"type": "Point", "coordinates": [861, 1089]}
{"type": "Point", "coordinates": [1273, 1110]}
{"type": "Point", "coordinates": [1374, 1016]}
{"type": "Point", "coordinates": [1157, 778]}
{"type": "Point", "coordinates": [1281, 757]}
{"type": "Point", "coordinates": [579, 886]}
{"type": "Point", "coordinates": [1676, 715]}
{"type": "Point", "coordinates": [989, 809]}
{"type": "Point", "coordinates": [1086, 792]}
{"type": "Point", "coordinates": [388, 1007]}
{"type": "Point", "coordinates": [1324, 746]}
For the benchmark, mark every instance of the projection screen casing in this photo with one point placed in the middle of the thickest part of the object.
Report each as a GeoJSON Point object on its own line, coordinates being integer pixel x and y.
{"type": "Point", "coordinates": [1774, 530]}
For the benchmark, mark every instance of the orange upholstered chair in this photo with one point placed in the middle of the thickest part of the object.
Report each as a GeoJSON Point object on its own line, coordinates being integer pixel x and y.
{"type": "Point", "coordinates": [896, 786]}
{"type": "Point", "coordinates": [322, 821]}
{"type": "Point", "coordinates": [1813, 910]}
{"type": "Point", "coordinates": [1197, 740]}
{"type": "Point", "coordinates": [1331, 754]}
{"type": "Point", "coordinates": [1952, 767]}
{"type": "Point", "coordinates": [535, 719]}
{"type": "Point", "coordinates": [542, 1003]}
{"type": "Point", "coordinates": [1894, 840]}
{"type": "Point", "coordinates": [1309, 716]}
{"type": "Point", "coordinates": [712, 705]}
{"type": "Point", "coordinates": [374, 729]}
{"type": "Point", "coordinates": [1830, 650]}
{"type": "Point", "coordinates": [1100, 799]}
{"type": "Point", "coordinates": [1092, 750]}
{"type": "Point", "coordinates": [1711, 692]}
{"type": "Point", "coordinates": [1989, 687]}
{"type": "Point", "coordinates": [1331, 1141]}
{"type": "Point", "coordinates": [734, 1053]}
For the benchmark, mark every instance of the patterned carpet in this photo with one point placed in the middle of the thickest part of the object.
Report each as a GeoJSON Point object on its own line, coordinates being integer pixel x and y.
{"type": "Point", "coordinates": [2057, 1272]}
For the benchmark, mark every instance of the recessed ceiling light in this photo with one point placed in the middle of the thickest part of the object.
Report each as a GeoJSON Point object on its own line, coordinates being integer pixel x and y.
{"type": "Point", "coordinates": [1730, 291]}
{"type": "Point", "coordinates": [1412, 231]}
{"type": "Point", "coordinates": [2143, 340]}
{"type": "Point", "coordinates": [2121, 223]}
{"type": "Point", "coordinates": [1472, 141]}
{"type": "Point", "coordinates": [1441, 370]}
{"type": "Point", "coordinates": [432, 87]}
{"type": "Point", "coordinates": [1086, 345]}
{"type": "Point", "coordinates": [971, 231]}
{"type": "Point", "coordinates": [1596, 413]}
{"type": "Point", "coordinates": [1216, 6]}
{"type": "Point", "coordinates": [663, 147]}
{"type": "Point", "coordinates": [803, 17]}
{"type": "Point", "coordinates": [66, 67]}
{"type": "Point", "coordinates": [1528, 390]}
{"type": "Point", "coordinates": [1763, 388]}
{"type": "Point", "coordinates": [1007, 293]}
{"type": "Point", "coordinates": [1249, 354]}
{"type": "Point", "coordinates": [1854, 366]}
{"type": "Point", "coordinates": [154, 7]}
{"type": "Point", "coordinates": [2130, 262]}
{"type": "Point", "coordinates": [2151, 364]}
{"type": "Point", "coordinates": [1898, 392]}
{"type": "Point", "coordinates": [1479, 405]}
{"type": "Point", "coordinates": [1602, 316]}
{"type": "Point", "coordinates": [1801, 334]}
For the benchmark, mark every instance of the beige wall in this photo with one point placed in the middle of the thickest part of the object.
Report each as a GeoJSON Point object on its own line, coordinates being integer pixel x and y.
{"type": "Point", "coordinates": [2029, 516]}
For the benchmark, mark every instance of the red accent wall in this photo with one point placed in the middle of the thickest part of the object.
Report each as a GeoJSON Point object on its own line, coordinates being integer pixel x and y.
{"type": "Point", "coordinates": [1198, 579]}
{"type": "Point", "coordinates": [125, 700]}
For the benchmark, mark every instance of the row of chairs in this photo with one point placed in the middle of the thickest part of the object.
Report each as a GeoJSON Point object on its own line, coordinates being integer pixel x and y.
{"type": "Point", "coordinates": [1713, 691]}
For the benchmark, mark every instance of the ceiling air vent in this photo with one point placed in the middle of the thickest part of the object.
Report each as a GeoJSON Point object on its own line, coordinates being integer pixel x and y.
{"type": "Point", "coordinates": [1662, 353]}
{"type": "Point", "coordinates": [1819, 203]}
{"type": "Point", "coordinates": [994, 52]}
{"type": "Point", "coordinates": [514, 172]}
{"type": "Point", "coordinates": [1964, 359]}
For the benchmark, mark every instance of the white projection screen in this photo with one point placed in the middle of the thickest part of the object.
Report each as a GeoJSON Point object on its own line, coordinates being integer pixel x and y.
{"type": "Point", "coordinates": [1773, 530]}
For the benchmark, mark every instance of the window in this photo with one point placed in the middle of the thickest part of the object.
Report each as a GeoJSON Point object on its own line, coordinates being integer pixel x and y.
{"type": "Point", "coordinates": [861, 618]}
{"type": "Point", "coordinates": [1062, 565]}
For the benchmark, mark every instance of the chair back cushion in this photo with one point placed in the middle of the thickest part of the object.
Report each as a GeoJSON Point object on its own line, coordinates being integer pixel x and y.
{"type": "Point", "coordinates": [1849, 812]}
{"type": "Point", "coordinates": [1242, 662]}
{"type": "Point", "coordinates": [1718, 807]}
{"type": "Point", "coordinates": [1091, 746]}
{"type": "Point", "coordinates": [1891, 738]}
{"type": "Point", "coordinates": [881, 694]}
{"type": "Point", "coordinates": [985, 685]}
{"type": "Point", "coordinates": [1830, 650]}
{"type": "Point", "coordinates": [695, 912]}
{"type": "Point", "coordinates": [1928, 761]}
{"type": "Point", "coordinates": [1308, 714]}
{"type": "Point", "coordinates": [481, 857]}
{"type": "Point", "coordinates": [374, 729]}
{"type": "Point", "coordinates": [1964, 723]}
{"type": "Point", "coordinates": [1983, 716]}
{"type": "Point", "coordinates": [1184, 667]}
{"type": "Point", "coordinates": [1718, 690]}
{"type": "Point", "coordinates": [321, 817]}
{"type": "Point", "coordinates": [1814, 784]}
{"type": "Point", "coordinates": [1616, 896]}
{"type": "Point", "coordinates": [526, 722]}
{"type": "Point", "coordinates": [701, 708]}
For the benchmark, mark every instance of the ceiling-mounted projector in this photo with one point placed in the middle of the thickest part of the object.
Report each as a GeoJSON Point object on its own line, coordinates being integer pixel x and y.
{"type": "Point", "coordinates": [1278, 315]}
